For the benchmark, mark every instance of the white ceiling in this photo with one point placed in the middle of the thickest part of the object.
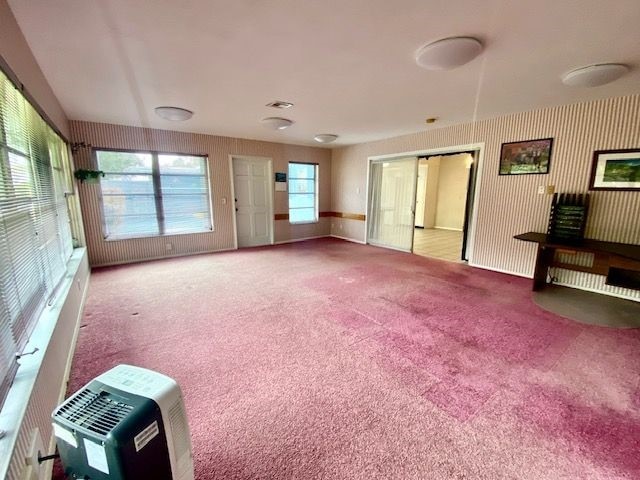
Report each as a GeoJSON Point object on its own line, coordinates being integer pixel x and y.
{"type": "Point", "coordinates": [347, 65]}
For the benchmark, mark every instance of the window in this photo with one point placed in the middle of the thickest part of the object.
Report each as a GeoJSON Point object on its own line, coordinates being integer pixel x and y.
{"type": "Point", "coordinates": [146, 194]}
{"type": "Point", "coordinates": [35, 236]}
{"type": "Point", "coordinates": [303, 192]}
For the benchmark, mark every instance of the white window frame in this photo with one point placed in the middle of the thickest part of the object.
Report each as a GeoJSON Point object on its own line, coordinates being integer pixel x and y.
{"type": "Point", "coordinates": [156, 176]}
{"type": "Point", "coordinates": [316, 193]}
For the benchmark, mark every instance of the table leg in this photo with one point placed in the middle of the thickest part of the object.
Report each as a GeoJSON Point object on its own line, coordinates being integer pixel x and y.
{"type": "Point", "coordinates": [543, 262]}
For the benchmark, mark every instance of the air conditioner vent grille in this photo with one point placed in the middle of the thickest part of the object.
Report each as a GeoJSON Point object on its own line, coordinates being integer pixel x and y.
{"type": "Point", "coordinates": [94, 411]}
{"type": "Point", "coordinates": [179, 429]}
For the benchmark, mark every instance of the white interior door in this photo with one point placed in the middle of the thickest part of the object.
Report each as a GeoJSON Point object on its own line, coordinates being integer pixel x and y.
{"type": "Point", "coordinates": [392, 198]}
{"type": "Point", "coordinates": [253, 201]}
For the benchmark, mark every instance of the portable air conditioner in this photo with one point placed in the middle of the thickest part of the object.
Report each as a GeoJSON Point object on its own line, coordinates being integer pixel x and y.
{"type": "Point", "coordinates": [128, 423]}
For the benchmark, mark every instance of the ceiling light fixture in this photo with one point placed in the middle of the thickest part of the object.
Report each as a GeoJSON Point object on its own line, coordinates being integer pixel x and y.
{"type": "Point", "coordinates": [175, 114]}
{"type": "Point", "coordinates": [448, 53]}
{"type": "Point", "coordinates": [279, 104]}
{"type": "Point", "coordinates": [325, 138]}
{"type": "Point", "coordinates": [594, 75]}
{"type": "Point", "coordinates": [431, 120]}
{"type": "Point", "coordinates": [276, 123]}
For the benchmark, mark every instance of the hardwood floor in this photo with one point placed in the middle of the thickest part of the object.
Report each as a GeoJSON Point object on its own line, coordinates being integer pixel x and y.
{"type": "Point", "coordinates": [437, 243]}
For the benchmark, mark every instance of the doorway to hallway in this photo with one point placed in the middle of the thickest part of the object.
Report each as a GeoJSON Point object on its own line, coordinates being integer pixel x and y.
{"type": "Point", "coordinates": [443, 200]}
{"type": "Point", "coordinates": [424, 201]}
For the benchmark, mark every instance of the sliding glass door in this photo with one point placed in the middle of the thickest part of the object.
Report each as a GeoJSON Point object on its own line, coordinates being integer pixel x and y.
{"type": "Point", "coordinates": [392, 194]}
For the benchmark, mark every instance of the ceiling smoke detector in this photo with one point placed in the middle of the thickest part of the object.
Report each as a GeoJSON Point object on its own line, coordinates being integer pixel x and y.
{"type": "Point", "coordinates": [276, 123]}
{"type": "Point", "coordinates": [175, 114]}
{"type": "Point", "coordinates": [594, 75]}
{"type": "Point", "coordinates": [325, 138]}
{"type": "Point", "coordinates": [279, 104]}
{"type": "Point", "coordinates": [448, 53]}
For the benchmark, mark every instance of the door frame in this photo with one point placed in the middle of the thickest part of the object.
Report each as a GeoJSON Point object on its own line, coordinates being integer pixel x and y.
{"type": "Point", "coordinates": [478, 148]}
{"type": "Point", "coordinates": [269, 161]}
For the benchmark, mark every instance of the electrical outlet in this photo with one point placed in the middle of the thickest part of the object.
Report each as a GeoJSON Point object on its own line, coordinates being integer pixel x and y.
{"type": "Point", "coordinates": [33, 469]}
{"type": "Point", "coordinates": [541, 189]}
{"type": "Point", "coordinates": [224, 200]}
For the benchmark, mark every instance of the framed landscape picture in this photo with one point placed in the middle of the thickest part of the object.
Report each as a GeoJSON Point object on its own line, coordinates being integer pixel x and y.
{"type": "Point", "coordinates": [523, 158]}
{"type": "Point", "coordinates": [615, 170]}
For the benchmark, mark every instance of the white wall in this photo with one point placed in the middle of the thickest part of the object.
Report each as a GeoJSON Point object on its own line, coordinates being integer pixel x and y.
{"type": "Point", "coordinates": [452, 191]}
{"type": "Point", "coordinates": [431, 197]}
{"type": "Point", "coordinates": [16, 53]}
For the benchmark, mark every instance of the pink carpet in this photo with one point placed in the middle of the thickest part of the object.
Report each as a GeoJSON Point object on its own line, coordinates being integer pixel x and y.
{"type": "Point", "coordinates": [327, 359]}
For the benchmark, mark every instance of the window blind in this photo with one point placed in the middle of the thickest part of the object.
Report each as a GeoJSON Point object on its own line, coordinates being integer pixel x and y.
{"type": "Point", "coordinates": [35, 237]}
{"type": "Point", "coordinates": [147, 194]}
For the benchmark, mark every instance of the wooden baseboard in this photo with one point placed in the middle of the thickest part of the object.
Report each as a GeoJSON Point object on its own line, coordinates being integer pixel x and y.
{"type": "Point", "coordinates": [293, 240]}
{"type": "Point", "coordinates": [349, 239]}
{"type": "Point", "coordinates": [349, 216]}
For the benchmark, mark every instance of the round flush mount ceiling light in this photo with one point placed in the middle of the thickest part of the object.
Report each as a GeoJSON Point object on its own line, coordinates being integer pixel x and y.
{"type": "Point", "coordinates": [594, 75]}
{"type": "Point", "coordinates": [175, 114]}
{"type": "Point", "coordinates": [448, 53]}
{"type": "Point", "coordinates": [325, 138]}
{"type": "Point", "coordinates": [276, 123]}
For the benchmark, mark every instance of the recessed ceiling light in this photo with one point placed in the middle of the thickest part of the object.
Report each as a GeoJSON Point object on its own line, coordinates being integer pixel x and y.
{"type": "Point", "coordinates": [325, 138]}
{"type": "Point", "coordinates": [276, 123]}
{"type": "Point", "coordinates": [594, 75]}
{"type": "Point", "coordinates": [175, 114]}
{"type": "Point", "coordinates": [448, 53]}
{"type": "Point", "coordinates": [279, 104]}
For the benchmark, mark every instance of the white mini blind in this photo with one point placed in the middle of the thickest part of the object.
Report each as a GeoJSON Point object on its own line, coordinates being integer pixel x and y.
{"type": "Point", "coordinates": [35, 237]}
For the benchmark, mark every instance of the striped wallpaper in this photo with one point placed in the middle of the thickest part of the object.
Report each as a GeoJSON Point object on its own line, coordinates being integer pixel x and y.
{"type": "Point", "coordinates": [509, 205]}
{"type": "Point", "coordinates": [218, 150]}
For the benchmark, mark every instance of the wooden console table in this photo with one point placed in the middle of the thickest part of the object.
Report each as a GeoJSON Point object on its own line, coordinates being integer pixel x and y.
{"type": "Point", "coordinates": [620, 262]}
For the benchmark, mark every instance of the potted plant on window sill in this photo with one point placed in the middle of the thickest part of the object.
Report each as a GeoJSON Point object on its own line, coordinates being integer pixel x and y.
{"type": "Point", "coordinates": [89, 176]}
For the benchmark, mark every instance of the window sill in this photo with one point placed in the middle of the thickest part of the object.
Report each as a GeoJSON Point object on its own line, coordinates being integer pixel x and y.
{"type": "Point", "coordinates": [19, 396]}
{"type": "Point", "coordinates": [304, 223]}
{"type": "Point", "coordinates": [120, 238]}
